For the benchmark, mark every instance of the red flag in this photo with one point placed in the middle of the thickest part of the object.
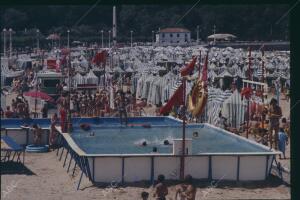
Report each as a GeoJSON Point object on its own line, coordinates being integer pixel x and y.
{"type": "Point", "coordinates": [204, 71]}
{"type": "Point", "coordinates": [176, 99]}
{"type": "Point", "coordinates": [189, 68]}
{"type": "Point", "coordinates": [51, 64]}
{"type": "Point", "coordinates": [100, 58]}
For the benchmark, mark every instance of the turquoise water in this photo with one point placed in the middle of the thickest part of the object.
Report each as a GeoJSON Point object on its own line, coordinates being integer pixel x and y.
{"type": "Point", "coordinates": [128, 140]}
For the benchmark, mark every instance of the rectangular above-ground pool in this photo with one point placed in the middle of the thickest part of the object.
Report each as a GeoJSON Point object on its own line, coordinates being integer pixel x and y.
{"type": "Point", "coordinates": [114, 152]}
{"type": "Point", "coordinates": [129, 140]}
{"type": "Point", "coordinates": [110, 151]}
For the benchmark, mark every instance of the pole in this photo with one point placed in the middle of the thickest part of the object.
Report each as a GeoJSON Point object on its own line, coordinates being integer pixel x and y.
{"type": "Point", "coordinates": [199, 64]}
{"type": "Point", "coordinates": [114, 26]}
{"type": "Point", "coordinates": [248, 100]}
{"type": "Point", "coordinates": [102, 39]}
{"type": "Point", "coordinates": [35, 101]}
{"type": "Point", "coordinates": [183, 134]}
{"type": "Point", "coordinates": [69, 109]}
{"type": "Point", "coordinates": [131, 38]}
{"type": "Point", "coordinates": [249, 65]}
{"type": "Point", "coordinates": [152, 38]}
{"type": "Point", "coordinates": [263, 81]}
{"type": "Point", "coordinates": [214, 34]}
{"type": "Point", "coordinates": [37, 40]}
{"type": "Point", "coordinates": [10, 43]}
{"type": "Point", "coordinates": [197, 34]}
{"type": "Point", "coordinates": [4, 41]}
{"type": "Point", "coordinates": [68, 39]}
{"type": "Point", "coordinates": [109, 39]}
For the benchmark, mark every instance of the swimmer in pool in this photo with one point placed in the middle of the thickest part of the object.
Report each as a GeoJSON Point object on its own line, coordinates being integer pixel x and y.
{"type": "Point", "coordinates": [195, 134]}
{"type": "Point", "coordinates": [144, 143]}
{"type": "Point", "coordinates": [166, 142]}
{"type": "Point", "coordinates": [154, 150]}
{"type": "Point", "coordinates": [92, 134]}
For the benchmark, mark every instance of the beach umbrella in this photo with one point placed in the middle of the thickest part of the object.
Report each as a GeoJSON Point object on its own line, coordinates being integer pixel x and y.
{"type": "Point", "coordinates": [39, 95]}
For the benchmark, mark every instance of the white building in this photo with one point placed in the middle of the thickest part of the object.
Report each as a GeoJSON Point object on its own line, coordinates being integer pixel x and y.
{"type": "Point", "coordinates": [173, 37]}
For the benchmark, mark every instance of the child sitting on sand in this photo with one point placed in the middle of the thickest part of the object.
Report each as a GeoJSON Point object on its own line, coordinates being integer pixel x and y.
{"type": "Point", "coordinates": [187, 190]}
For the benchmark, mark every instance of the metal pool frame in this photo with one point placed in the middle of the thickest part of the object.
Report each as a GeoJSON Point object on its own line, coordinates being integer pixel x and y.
{"type": "Point", "coordinates": [240, 170]}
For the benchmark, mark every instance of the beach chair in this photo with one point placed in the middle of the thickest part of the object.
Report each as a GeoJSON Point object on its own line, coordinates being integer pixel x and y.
{"type": "Point", "coordinates": [11, 150]}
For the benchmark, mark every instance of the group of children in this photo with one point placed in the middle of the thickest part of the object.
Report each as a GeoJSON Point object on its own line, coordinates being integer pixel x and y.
{"type": "Point", "coordinates": [184, 191]}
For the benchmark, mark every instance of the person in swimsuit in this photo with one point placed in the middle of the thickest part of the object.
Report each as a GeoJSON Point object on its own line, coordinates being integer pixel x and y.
{"type": "Point", "coordinates": [54, 121]}
{"type": "Point", "coordinates": [187, 190]}
{"type": "Point", "coordinates": [160, 189]}
{"type": "Point", "coordinates": [121, 103]}
{"type": "Point", "coordinates": [37, 134]}
{"type": "Point", "coordinates": [274, 117]}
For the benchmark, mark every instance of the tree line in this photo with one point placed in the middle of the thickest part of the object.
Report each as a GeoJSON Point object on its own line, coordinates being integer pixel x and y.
{"type": "Point", "coordinates": [247, 22]}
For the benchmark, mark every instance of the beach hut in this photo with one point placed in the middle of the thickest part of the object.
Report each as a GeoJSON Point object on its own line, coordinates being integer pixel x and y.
{"type": "Point", "coordinates": [91, 78]}
{"type": "Point", "coordinates": [233, 109]}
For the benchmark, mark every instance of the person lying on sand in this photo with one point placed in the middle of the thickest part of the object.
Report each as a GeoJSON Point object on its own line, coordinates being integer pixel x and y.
{"type": "Point", "coordinates": [186, 190]}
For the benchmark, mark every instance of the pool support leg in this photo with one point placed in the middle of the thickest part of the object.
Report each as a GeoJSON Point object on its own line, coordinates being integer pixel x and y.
{"type": "Point", "coordinates": [70, 162]}
{"type": "Point", "coordinates": [123, 169]}
{"type": "Point", "coordinates": [271, 165]}
{"type": "Point", "coordinates": [79, 180]}
{"type": "Point", "coordinates": [61, 153]}
{"type": "Point", "coordinates": [238, 169]}
{"type": "Point", "coordinates": [66, 157]}
{"type": "Point", "coordinates": [209, 169]}
{"type": "Point", "coordinates": [267, 165]}
{"type": "Point", "coordinates": [152, 170]}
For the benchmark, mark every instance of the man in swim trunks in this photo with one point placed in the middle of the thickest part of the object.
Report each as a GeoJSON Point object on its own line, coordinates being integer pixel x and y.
{"type": "Point", "coordinates": [37, 134]}
{"type": "Point", "coordinates": [160, 189]}
{"type": "Point", "coordinates": [121, 103]}
{"type": "Point", "coordinates": [274, 117]}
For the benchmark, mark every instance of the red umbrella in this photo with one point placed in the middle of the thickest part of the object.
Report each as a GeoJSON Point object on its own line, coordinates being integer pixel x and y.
{"type": "Point", "coordinates": [40, 95]}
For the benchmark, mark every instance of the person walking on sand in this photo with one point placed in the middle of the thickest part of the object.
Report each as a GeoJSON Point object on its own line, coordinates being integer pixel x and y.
{"type": "Point", "coordinates": [275, 114]}
{"type": "Point", "coordinates": [160, 189]}
{"type": "Point", "coordinates": [282, 142]}
{"type": "Point", "coordinates": [187, 190]}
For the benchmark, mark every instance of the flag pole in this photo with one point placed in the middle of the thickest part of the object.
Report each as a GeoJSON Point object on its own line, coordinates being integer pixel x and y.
{"type": "Point", "coordinates": [248, 99]}
{"type": "Point", "coordinates": [182, 165]}
{"type": "Point", "coordinates": [199, 64]}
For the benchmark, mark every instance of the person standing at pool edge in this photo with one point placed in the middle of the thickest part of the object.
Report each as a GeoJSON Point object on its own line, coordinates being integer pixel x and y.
{"type": "Point", "coordinates": [52, 137]}
{"type": "Point", "coordinates": [274, 116]}
{"type": "Point", "coordinates": [37, 134]}
{"type": "Point", "coordinates": [122, 101]}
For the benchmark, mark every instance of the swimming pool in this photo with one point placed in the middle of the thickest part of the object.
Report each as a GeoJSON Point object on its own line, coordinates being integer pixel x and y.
{"type": "Point", "coordinates": [128, 140]}
{"type": "Point", "coordinates": [114, 153]}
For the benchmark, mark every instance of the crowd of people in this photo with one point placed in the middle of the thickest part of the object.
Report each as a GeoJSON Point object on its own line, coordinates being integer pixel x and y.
{"type": "Point", "coordinates": [19, 108]}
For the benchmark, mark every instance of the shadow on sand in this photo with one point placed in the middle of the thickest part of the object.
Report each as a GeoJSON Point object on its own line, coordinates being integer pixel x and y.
{"type": "Point", "coordinates": [12, 167]}
{"type": "Point", "coordinates": [272, 181]}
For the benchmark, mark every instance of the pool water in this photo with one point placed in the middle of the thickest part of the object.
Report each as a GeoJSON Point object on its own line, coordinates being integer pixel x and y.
{"type": "Point", "coordinates": [128, 140]}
